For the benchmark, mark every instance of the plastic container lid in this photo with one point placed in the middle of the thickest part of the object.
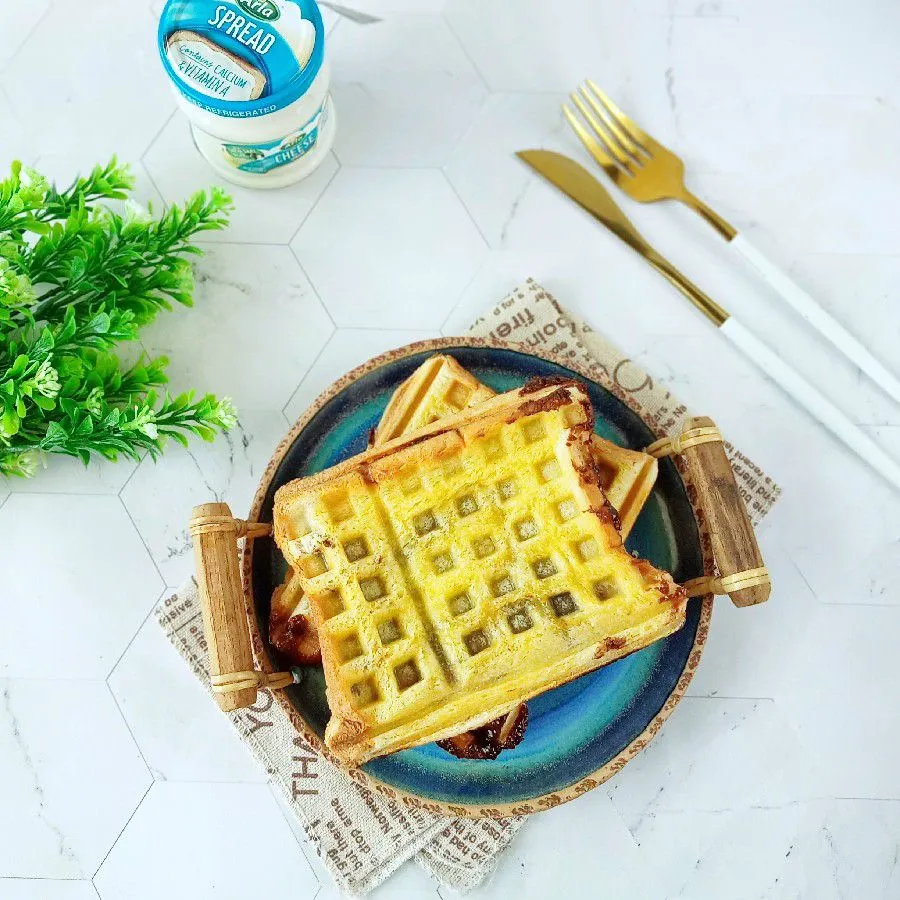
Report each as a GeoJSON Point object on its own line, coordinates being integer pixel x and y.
{"type": "Point", "coordinates": [241, 58]}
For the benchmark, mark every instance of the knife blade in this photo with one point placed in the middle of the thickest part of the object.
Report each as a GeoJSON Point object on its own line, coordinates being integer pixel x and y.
{"type": "Point", "coordinates": [579, 185]}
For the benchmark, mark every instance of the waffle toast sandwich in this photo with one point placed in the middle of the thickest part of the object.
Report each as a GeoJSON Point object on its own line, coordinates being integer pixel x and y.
{"type": "Point", "coordinates": [439, 387]}
{"type": "Point", "coordinates": [442, 387]}
{"type": "Point", "coordinates": [464, 568]}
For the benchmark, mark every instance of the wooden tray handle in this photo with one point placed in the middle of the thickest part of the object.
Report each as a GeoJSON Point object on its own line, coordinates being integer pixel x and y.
{"type": "Point", "coordinates": [232, 675]}
{"type": "Point", "coordinates": [742, 572]}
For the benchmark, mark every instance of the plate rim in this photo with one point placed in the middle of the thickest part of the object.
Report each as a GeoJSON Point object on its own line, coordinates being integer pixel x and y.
{"type": "Point", "coordinates": [438, 807]}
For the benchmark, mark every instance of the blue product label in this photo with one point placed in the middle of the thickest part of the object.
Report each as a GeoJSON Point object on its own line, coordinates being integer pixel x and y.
{"type": "Point", "coordinates": [241, 58]}
{"type": "Point", "coordinates": [264, 157]}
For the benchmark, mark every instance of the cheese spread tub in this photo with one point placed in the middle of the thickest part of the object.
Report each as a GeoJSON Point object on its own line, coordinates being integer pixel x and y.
{"type": "Point", "coordinates": [252, 78]}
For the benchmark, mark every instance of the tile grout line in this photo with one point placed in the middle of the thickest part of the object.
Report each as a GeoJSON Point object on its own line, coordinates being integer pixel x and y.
{"type": "Point", "coordinates": [144, 543]}
{"type": "Point", "coordinates": [210, 244]}
{"type": "Point", "coordinates": [463, 293]}
{"type": "Point", "coordinates": [621, 818]}
{"type": "Point", "coordinates": [100, 494]}
{"type": "Point", "coordinates": [300, 842]}
{"type": "Point", "coordinates": [390, 167]}
{"type": "Point", "coordinates": [45, 14]}
{"type": "Point", "coordinates": [334, 27]}
{"type": "Point", "coordinates": [394, 167]}
{"type": "Point", "coordinates": [468, 129]}
{"type": "Point", "coordinates": [137, 746]}
{"type": "Point", "coordinates": [131, 640]}
{"type": "Point", "coordinates": [133, 472]}
{"type": "Point", "coordinates": [316, 291]}
{"type": "Point", "coordinates": [799, 571]}
{"type": "Point", "coordinates": [305, 375]}
{"type": "Point", "coordinates": [375, 328]}
{"type": "Point", "coordinates": [149, 147]}
{"type": "Point", "coordinates": [411, 330]}
{"type": "Point", "coordinates": [72, 880]}
{"type": "Point", "coordinates": [316, 202]}
{"type": "Point", "coordinates": [465, 52]}
{"type": "Point", "coordinates": [482, 235]}
{"type": "Point", "coordinates": [119, 835]}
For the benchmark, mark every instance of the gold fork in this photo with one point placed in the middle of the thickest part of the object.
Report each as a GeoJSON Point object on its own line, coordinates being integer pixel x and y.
{"type": "Point", "coordinates": [647, 172]}
{"type": "Point", "coordinates": [639, 165]}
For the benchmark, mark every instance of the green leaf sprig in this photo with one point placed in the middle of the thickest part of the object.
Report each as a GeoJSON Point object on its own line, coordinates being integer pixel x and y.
{"type": "Point", "coordinates": [78, 278]}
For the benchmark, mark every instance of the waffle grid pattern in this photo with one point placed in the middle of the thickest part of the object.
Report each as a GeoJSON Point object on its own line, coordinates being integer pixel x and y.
{"type": "Point", "coordinates": [439, 387]}
{"type": "Point", "coordinates": [485, 570]}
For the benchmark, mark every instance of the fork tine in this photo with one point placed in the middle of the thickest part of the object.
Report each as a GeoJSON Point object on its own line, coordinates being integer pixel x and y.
{"type": "Point", "coordinates": [591, 143]}
{"type": "Point", "coordinates": [612, 126]}
{"type": "Point", "coordinates": [635, 132]}
{"type": "Point", "coordinates": [612, 148]}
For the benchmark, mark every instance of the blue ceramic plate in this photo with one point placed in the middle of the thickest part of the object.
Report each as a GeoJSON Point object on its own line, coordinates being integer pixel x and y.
{"type": "Point", "coordinates": [578, 734]}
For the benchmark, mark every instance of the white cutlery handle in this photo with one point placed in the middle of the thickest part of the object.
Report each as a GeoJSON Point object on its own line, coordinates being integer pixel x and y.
{"type": "Point", "coordinates": [812, 400]}
{"type": "Point", "coordinates": [804, 304]}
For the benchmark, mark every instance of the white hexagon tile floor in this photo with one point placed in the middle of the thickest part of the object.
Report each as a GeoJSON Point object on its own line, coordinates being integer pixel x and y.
{"type": "Point", "coordinates": [380, 119]}
{"type": "Point", "coordinates": [202, 831]}
{"type": "Point", "coordinates": [513, 209]}
{"type": "Point", "coordinates": [407, 248]}
{"type": "Point", "coordinates": [72, 775]}
{"type": "Point", "coordinates": [161, 493]}
{"type": "Point", "coordinates": [73, 617]}
{"type": "Point", "coordinates": [776, 777]}
{"type": "Point", "coordinates": [85, 100]}
{"type": "Point", "coordinates": [185, 738]}
{"type": "Point", "coordinates": [44, 889]}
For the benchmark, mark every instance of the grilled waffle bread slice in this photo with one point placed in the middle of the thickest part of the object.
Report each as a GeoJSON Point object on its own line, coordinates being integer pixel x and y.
{"type": "Point", "coordinates": [442, 387]}
{"type": "Point", "coordinates": [439, 387]}
{"type": "Point", "coordinates": [462, 569]}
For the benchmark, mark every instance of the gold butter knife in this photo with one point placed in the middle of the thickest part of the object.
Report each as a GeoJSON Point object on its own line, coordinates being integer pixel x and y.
{"type": "Point", "coordinates": [579, 185]}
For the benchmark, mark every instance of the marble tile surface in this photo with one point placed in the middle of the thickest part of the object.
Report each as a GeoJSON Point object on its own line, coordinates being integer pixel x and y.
{"type": "Point", "coordinates": [16, 143]}
{"type": "Point", "coordinates": [222, 341]}
{"type": "Point", "coordinates": [406, 251]}
{"type": "Point", "coordinates": [387, 113]}
{"type": "Point", "coordinates": [533, 868]}
{"type": "Point", "coordinates": [79, 89]}
{"type": "Point", "coordinates": [185, 738]}
{"type": "Point", "coordinates": [73, 618]}
{"type": "Point", "coordinates": [200, 832]}
{"type": "Point", "coordinates": [72, 777]}
{"type": "Point", "coordinates": [161, 493]}
{"type": "Point", "coordinates": [776, 777]}
{"type": "Point", "coordinates": [47, 889]}
{"type": "Point", "coordinates": [506, 199]}
{"type": "Point", "coordinates": [347, 348]}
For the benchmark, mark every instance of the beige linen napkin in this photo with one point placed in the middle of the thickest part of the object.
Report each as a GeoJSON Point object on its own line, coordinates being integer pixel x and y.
{"type": "Point", "coordinates": [362, 836]}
